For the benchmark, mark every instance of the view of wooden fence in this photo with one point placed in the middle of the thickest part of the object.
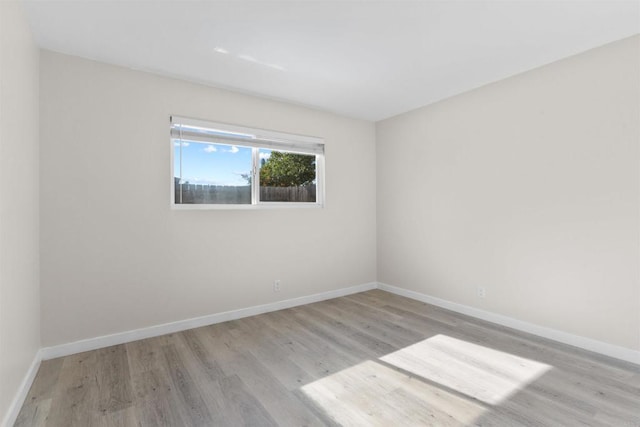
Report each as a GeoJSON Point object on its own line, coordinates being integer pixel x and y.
{"type": "Point", "coordinates": [227, 194]}
{"type": "Point", "coordinates": [304, 193]}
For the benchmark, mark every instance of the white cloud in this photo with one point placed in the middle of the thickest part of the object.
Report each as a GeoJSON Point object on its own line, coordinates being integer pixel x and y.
{"type": "Point", "coordinates": [264, 155]}
{"type": "Point", "coordinates": [199, 181]}
{"type": "Point", "coordinates": [177, 144]}
{"type": "Point", "coordinates": [232, 150]}
{"type": "Point", "coordinates": [210, 149]}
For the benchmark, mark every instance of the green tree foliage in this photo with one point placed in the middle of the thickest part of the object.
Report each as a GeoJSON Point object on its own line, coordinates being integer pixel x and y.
{"type": "Point", "coordinates": [288, 170]}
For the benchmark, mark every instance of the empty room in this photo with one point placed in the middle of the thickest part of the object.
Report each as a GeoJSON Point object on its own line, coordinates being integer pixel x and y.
{"type": "Point", "coordinates": [319, 213]}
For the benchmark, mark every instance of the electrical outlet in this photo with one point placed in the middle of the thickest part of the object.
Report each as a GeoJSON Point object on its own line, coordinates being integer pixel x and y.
{"type": "Point", "coordinates": [482, 292]}
{"type": "Point", "coordinates": [276, 286]}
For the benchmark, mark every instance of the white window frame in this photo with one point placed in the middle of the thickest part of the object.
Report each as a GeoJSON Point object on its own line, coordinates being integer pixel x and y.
{"type": "Point", "coordinates": [195, 130]}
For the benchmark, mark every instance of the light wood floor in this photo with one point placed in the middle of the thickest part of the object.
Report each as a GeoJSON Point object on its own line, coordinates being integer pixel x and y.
{"type": "Point", "coordinates": [368, 359]}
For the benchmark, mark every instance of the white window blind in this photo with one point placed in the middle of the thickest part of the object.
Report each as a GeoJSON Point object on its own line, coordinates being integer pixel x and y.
{"type": "Point", "coordinates": [186, 130]}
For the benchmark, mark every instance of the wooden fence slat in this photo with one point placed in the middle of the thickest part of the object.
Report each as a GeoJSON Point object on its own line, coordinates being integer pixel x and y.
{"type": "Point", "coordinates": [227, 194]}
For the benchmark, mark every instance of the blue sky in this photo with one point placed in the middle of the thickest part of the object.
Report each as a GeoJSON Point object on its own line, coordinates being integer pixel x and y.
{"type": "Point", "coordinates": [218, 164]}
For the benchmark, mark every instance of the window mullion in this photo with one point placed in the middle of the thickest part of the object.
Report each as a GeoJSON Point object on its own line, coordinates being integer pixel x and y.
{"type": "Point", "coordinates": [255, 176]}
{"type": "Point", "coordinates": [180, 182]}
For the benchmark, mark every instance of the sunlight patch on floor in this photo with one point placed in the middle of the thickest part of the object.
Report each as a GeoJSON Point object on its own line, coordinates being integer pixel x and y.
{"type": "Point", "coordinates": [480, 372]}
{"type": "Point", "coordinates": [373, 394]}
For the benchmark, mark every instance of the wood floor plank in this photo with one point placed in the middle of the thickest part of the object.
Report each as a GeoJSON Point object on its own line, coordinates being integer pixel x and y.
{"type": "Point", "coordinates": [343, 336]}
{"type": "Point", "coordinates": [34, 413]}
{"type": "Point", "coordinates": [371, 358]}
{"type": "Point", "coordinates": [193, 407]}
{"type": "Point", "coordinates": [317, 355]}
{"type": "Point", "coordinates": [361, 316]}
{"type": "Point", "coordinates": [151, 384]}
{"type": "Point", "coordinates": [113, 380]}
{"type": "Point", "coordinates": [45, 380]}
{"type": "Point", "coordinates": [273, 401]}
{"type": "Point", "coordinates": [274, 351]}
{"type": "Point", "coordinates": [75, 394]}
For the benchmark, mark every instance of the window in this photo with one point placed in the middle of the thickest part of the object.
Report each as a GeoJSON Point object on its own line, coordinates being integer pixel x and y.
{"type": "Point", "coordinates": [226, 166]}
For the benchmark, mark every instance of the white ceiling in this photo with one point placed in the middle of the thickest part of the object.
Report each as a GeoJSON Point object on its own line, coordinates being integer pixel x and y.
{"type": "Point", "coordinates": [363, 59]}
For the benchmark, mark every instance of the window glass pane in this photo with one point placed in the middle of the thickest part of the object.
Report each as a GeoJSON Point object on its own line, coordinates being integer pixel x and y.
{"type": "Point", "coordinates": [207, 173]}
{"type": "Point", "coordinates": [287, 177]}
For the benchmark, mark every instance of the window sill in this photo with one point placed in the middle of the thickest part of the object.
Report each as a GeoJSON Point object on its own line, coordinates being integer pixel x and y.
{"type": "Point", "coordinates": [264, 205]}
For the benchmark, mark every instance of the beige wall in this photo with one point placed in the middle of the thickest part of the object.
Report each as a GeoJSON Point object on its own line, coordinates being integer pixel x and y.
{"type": "Point", "coordinates": [115, 257]}
{"type": "Point", "coordinates": [528, 187]}
{"type": "Point", "coordinates": [19, 291]}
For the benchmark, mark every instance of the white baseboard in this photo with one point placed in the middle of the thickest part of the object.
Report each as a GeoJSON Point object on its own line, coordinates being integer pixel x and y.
{"type": "Point", "coordinates": [600, 347]}
{"type": "Point", "coordinates": [18, 400]}
{"type": "Point", "coordinates": [182, 325]}
{"type": "Point", "coordinates": [46, 353]}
